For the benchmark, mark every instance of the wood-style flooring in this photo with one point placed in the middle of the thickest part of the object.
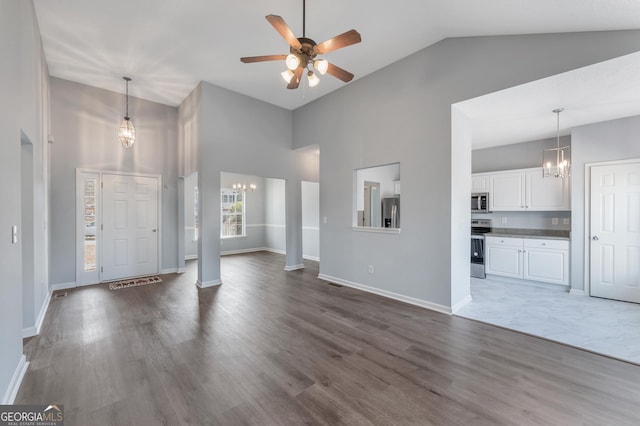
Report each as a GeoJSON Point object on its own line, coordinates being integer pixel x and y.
{"type": "Point", "coordinates": [275, 347]}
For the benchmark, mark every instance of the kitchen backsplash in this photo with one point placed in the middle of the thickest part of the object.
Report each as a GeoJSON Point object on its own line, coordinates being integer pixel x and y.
{"type": "Point", "coordinates": [528, 220]}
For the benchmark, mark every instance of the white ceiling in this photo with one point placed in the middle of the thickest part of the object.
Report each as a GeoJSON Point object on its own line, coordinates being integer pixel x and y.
{"type": "Point", "coordinates": [169, 46]}
{"type": "Point", "coordinates": [603, 91]}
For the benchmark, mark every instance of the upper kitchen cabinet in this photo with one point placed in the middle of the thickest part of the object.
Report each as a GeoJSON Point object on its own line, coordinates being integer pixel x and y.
{"type": "Point", "coordinates": [527, 190]}
{"type": "Point", "coordinates": [480, 182]}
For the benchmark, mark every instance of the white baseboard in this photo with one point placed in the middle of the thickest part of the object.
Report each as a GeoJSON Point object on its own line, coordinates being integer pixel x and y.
{"type": "Point", "coordinates": [207, 284]}
{"type": "Point", "coordinates": [182, 270]}
{"type": "Point", "coordinates": [577, 292]}
{"type": "Point", "coordinates": [35, 330]}
{"type": "Point", "coordinates": [168, 271]}
{"type": "Point", "coordinates": [240, 251]}
{"type": "Point", "coordinates": [14, 385]}
{"type": "Point", "coordinates": [191, 257]}
{"type": "Point", "coordinates": [314, 258]}
{"type": "Point", "coordinates": [455, 308]}
{"type": "Point", "coordinates": [63, 286]}
{"type": "Point", "coordinates": [391, 295]}
{"type": "Point", "coordinates": [293, 267]}
{"type": "Point", "coordinates": [272, 250]}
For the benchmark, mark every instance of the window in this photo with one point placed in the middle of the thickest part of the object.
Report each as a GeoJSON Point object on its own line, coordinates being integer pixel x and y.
{"type": "Point", "coordinates": [232, 214]}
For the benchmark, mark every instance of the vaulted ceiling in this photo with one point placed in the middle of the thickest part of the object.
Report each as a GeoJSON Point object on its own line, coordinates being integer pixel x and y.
{"type": "Point", "coordinates": [169, 46]}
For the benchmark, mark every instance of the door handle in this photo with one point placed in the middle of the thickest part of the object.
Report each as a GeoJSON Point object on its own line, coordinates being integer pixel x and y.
{"type": "Point", "coordinates": [595, 238]}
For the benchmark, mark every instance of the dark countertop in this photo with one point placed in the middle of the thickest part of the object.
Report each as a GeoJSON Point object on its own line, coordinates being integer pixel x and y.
{"type": "Point", "coordinates": [530, 233]}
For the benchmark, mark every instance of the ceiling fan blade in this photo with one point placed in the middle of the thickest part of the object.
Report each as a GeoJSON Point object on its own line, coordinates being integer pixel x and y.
{"type": "Point", "coordinates": [281, 27]}
{"type": "Point", "coordinates": [250, 59]}
{"type": "Point", "coordinates": [338, 42]}
{"type": "Point", "coordinates": [295, 80]}
{"type": "Point", "coordinates": [339, 73]}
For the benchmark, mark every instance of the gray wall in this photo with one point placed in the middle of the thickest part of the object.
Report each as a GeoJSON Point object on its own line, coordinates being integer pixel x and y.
{"type": "Point", "coordinates": [264, 148]}
{"type": "Point", "coordinates": [402, 113]}
{"type": "Point", "coordinates": [515, 156]}
{"type": "Point", "coordinates": [24, 115]}
{"type": "Point", "coordinates": [598, 142]}
{"type": "Point", "coordinates": [85, 122]}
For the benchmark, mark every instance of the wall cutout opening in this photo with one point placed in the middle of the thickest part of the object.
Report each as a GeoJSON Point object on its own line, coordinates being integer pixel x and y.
{"type": "Point", "coordinates": [377, 197]}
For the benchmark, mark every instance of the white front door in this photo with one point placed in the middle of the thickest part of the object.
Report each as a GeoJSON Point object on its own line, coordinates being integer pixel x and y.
{"type": "Point", "coordinates": [615, 232]}
{"type": "Point", "coordinates": [130, 226]}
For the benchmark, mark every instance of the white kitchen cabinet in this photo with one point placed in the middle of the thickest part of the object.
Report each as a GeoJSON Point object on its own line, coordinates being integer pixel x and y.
{"type": "Point", "coordinates": [546, 261]}
{"type": "Point", "coordinates": [546, 194]}
{"type": "Point", "coordinates": [528, 258]}
{"type": "Point", "coordinates": [507, 191]}
{"type": "Point", "coordinates": [480, 182]}
{"type": "Point", "coordinates": [503, 256]}
{"type": "Point", "coordinates": [527, 190]}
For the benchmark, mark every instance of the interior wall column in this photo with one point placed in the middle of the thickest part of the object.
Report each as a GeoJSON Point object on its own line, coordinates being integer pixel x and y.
{"type": "Point", "coordinates": [293, 191]}
{"type": "Point", "coordinates": [209, 238]}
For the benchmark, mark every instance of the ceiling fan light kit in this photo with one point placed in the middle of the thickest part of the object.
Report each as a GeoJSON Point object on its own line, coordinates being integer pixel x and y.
{"type": "Point", "coordinates": [303, 52]}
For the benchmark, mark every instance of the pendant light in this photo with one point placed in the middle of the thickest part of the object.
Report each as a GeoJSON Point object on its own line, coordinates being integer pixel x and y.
{"type": "Point", "coordinates": [126, 132]}
{"type": "Point", "coordinates": [555, 161]}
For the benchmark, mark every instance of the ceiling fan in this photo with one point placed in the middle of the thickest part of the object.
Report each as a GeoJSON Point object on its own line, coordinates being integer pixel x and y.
{"type": "Point", "coordinates": [303, 52]}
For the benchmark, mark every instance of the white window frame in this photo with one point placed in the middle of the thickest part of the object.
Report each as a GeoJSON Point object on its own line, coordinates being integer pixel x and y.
{"type": "Point", "coordinates": [226, 193]}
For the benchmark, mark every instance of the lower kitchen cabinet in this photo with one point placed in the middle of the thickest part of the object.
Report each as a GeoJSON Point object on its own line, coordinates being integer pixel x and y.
{"type": "Point", "coordinates": [528, 258]}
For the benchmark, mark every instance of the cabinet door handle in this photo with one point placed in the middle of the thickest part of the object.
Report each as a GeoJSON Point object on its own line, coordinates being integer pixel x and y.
{"type": "Point", "coordinates": [595, 238]}
{"type": "Point", "coordinates": [544, 244]}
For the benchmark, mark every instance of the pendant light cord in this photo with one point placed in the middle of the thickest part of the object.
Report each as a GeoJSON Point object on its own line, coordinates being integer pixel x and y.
{"type": "Point", "coordinates": [304, 17]}
{"type": "Point", "coordinates": [127, 79]}
{"type": "Point", "coordinates": [127, 100]}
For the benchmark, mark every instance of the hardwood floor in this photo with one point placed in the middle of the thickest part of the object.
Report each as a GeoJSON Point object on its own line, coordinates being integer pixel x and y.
{"type": "Point", "coordinates": [271, 347]}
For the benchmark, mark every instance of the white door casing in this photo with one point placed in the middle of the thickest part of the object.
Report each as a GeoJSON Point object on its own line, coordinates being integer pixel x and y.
{"type": "Point", "coordinates": [615, 231]}
{"type": "Point", "coordinates": [130, 226]}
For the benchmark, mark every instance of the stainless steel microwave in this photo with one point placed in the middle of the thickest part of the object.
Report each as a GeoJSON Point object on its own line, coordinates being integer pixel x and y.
{"type": "Point", "coordinates": [480, 202]}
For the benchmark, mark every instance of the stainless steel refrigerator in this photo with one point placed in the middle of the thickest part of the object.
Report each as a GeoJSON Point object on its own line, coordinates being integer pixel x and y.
{"type": "Point", "coordinates": [391, 212]}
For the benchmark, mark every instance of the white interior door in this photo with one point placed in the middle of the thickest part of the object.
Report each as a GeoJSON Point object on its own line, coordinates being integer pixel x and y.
{"type": "Point", "coordinates": [130, 226]}
{"type": "Point", "coordinates": [615, 232]}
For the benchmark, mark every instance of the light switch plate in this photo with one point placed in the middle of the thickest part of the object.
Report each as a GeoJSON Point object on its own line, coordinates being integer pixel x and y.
{"type": "Point", "coordinates": [14, 234]}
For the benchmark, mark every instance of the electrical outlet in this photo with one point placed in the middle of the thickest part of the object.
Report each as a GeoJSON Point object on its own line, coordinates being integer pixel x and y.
{"type": "Point", "coordinates": [554, 221]}
{"type": "Point", "coordinates": [504, 220]}
{"type": "Point", "coordinates": [565, 221]}
{"type": "Point", "coordinates": [371, 270]}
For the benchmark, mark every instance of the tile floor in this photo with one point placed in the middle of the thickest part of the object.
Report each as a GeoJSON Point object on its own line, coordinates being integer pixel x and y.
{"type": "Point", "coordinates": [604, 326]}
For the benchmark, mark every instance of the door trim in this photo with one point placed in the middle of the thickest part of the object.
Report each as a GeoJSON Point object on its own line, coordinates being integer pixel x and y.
{"type": "Point", "coordinates": [80, 228]}
{"type": "Point", "coordinates": [587, 216]}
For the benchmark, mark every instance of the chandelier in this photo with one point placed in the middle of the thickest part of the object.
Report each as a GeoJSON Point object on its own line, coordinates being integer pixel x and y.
{"type": "Point", "coordinates": [126, 131]}
{"type": "Point", "coordinates": [555, 161]}
{"type": "Point", "coordinates": [243, 187]}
